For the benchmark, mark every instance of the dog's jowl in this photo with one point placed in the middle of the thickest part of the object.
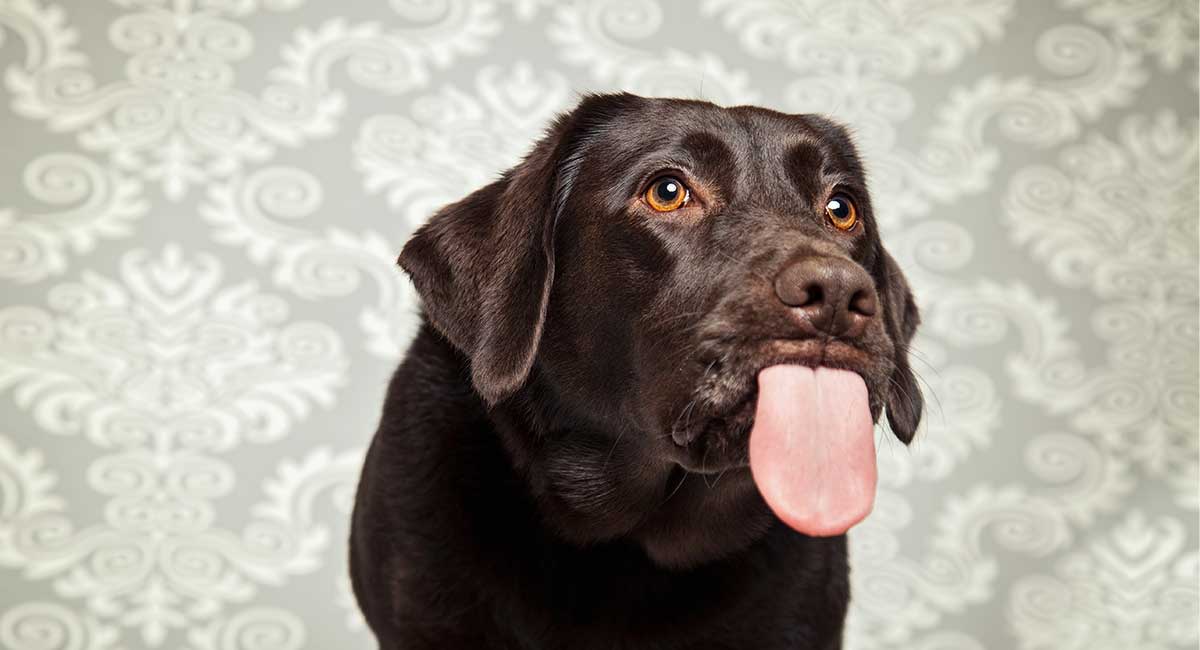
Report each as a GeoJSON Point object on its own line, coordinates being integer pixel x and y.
{"type": "Point", "coordinates": [640, 410]}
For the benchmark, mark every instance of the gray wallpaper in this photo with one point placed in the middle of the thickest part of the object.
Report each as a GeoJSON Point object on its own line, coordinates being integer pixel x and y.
{"type": "Point", "coordinates": [201, 202]}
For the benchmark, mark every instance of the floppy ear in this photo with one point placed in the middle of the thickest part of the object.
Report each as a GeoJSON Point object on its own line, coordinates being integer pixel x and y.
{"type": "Point", "coordinates": [904, 402]}
{"type": "Point", "coordinates": [484, 266]}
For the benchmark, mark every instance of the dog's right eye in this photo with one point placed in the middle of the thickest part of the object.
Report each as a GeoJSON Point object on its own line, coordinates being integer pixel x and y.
{"type": "Point", "coordinates": [667, 193]}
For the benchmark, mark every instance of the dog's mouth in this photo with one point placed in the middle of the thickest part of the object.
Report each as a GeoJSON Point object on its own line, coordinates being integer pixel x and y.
{"type": "Point", "coordinates": [724, 401]}
{"type": "Point", "coordinates": [798, 414]}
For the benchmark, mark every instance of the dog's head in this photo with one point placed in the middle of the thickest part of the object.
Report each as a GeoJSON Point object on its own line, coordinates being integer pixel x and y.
{"type": "Point", "coordinates": [620, 292]}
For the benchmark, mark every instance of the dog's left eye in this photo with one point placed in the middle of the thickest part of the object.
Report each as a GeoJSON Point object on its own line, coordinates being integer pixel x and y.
{"type": "Point", "coordinates": [841, 212]}
{"type": "Point", "coordinates": [667, 193]}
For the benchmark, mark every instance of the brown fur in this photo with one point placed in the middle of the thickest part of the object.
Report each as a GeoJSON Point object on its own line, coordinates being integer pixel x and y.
{"type": "Point", "coordinates": [561, 461]}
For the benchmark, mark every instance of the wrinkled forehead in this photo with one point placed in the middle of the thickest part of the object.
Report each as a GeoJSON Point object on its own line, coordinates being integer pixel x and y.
{"type": "Point", "coordinates": [733, 147]}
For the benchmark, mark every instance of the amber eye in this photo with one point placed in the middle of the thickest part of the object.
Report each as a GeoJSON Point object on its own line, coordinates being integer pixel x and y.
{"type": "Point", "coordinates": [841, 212]}
{"type": "Point", "coordinates": [667, 193]}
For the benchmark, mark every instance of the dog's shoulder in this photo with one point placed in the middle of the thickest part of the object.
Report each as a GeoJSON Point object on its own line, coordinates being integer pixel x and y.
{"type": "Point", "coordinates": [411, 522]}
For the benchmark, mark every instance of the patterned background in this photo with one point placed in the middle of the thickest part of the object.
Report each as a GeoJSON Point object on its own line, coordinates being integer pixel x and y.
{"type": "Point", "coordinates": [201, 202]}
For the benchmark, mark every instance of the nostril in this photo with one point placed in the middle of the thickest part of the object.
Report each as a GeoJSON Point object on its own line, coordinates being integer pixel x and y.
{"type": "Point", "coordinates": [863, 303]}
{"type": "Point", "coordinates": [799, 287]}
{"type": "Point", "coordinates": [814, 294]}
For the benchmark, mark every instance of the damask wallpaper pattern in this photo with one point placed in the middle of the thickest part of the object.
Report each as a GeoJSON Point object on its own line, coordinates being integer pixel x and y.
{"type": "Point", "coordinates": [201, 202]}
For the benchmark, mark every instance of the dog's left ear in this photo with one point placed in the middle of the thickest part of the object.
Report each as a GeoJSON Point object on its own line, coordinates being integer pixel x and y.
{"type": "Point", "coordinates": [904, 402]}
{"type": "Point", "coordinates": [484, 266]}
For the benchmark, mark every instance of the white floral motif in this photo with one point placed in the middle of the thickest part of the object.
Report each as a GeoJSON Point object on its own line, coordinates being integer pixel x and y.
{"type": "Point", "coordinates": [26, 494]}
{"type": "Point", "coordinates": [1136, 588]}
{"type": "Point", "coordinates": [251, 212]}
{"type": "Point", "coordinates": [165, 357]}
{"type": "Point", "coordinates": [156, 562]}
{"type": "Point", "coordinates": [231, 7]}
{"type": "Point", "coordinates": [1166, 29]}
{"type": "Point", "coordinates": [875, 36]}
{"type": "Point", "coordinates": [36, 625]}
{"type": "Point", "coordinates": [453, 142]}
{"type": "Point", "coordinates": [527, 9]}
{"type": "Point", "coordinates": [450, 143]}
{"type": "Point", "coordinates": [251, 629]}
{"type": "Point", "coordinates": [101, 204]}
{"type": "Point", "coordinates": [1088, 478]}
{"type": "Point", "coordinates": [1120, 221]}
{"type": "Point", "coordinates": [163, 370]}
{"type": "Point", "coordinates": [896, 597]}
{"type": "Point", "coordinates": [1115, 205]}
{"type": "Point", "coordinates": [178, 118]}
{"type": "Point", "coordinates": [599, 35]}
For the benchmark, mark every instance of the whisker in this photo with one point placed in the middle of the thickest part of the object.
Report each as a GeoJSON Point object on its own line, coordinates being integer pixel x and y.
{"type": "Point", "coordinates": [752, 270]}
{"type": "Point", "coordinates": [682, 477]}
{"type": "Point", "coordinates": [919, 356]}
{"type": "Point", "coordinates": [686, 314]}
{"type": "Point", "coordinates": [704, 466]}
{"type": "Point", "coordinates": [718, 480]}
{"type": "Point", "coordinates": [614, 447]}
{"type": "Point", "coordinates": [932, 393]}
{"type": "Point", "coordinates": [908, 396]}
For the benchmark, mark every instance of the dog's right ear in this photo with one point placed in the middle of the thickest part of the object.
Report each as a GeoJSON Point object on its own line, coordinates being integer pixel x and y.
{"type": "Point", "coordinates": [484, 266]}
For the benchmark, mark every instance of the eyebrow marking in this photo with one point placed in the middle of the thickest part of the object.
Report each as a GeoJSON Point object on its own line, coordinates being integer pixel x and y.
{"type": "Point", "coordinates": [804, 164]}
{"type": "Point", "coordinates": [713, 160]}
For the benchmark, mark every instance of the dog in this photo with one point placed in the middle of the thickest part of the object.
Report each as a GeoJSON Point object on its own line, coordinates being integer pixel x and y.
{"type": "Point", "coordinates": [638, 412]}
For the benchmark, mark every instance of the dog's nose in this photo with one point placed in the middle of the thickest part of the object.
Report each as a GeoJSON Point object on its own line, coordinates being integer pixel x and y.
{"type": "Point", "coordinates": [835, 295]}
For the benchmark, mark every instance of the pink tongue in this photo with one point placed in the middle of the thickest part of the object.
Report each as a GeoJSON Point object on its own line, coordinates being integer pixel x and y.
{"type": "Point", "coordinates": [812, 448]}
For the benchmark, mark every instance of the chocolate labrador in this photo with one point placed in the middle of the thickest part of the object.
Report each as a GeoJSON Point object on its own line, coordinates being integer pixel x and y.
{"type": "Point", "coordinates": [639, 411]}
